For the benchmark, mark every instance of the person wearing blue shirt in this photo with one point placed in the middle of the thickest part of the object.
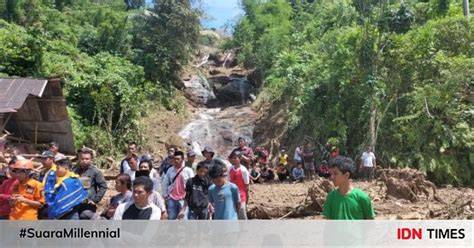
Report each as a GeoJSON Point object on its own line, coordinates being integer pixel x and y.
{"type": "Point", "coordinates": [223, 195]}
{"type": "Point", "coordinates": [298, 173]}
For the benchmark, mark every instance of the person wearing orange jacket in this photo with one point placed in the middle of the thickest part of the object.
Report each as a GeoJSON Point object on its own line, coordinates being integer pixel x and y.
{"type": "Point", "coordinates": [27, 196]}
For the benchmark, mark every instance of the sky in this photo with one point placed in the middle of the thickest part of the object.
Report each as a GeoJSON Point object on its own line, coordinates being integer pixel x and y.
{"type": "Point", "coordinates": [221, 12]}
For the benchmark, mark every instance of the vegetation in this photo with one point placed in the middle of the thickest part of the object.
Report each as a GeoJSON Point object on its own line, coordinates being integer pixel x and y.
{"type": "Point", "coordinates": [396, 75]}
{"type": "Point", "coordinates": [112, 55]}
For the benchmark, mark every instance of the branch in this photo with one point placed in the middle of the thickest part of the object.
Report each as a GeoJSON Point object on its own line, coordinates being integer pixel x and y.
{"type": "Point", "coordinates": [427, 110]}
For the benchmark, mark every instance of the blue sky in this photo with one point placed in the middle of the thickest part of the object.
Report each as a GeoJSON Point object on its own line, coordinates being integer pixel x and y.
{"type": "Point", "coordinates": [221, 12]}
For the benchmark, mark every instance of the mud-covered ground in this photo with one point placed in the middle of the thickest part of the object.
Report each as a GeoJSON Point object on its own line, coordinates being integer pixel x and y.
{"type": "Point", "coordinates": [286, 196]}
{"type": "Point", "coordinates": [281, 198]}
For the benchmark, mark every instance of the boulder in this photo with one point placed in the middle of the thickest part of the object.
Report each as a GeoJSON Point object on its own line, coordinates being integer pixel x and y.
{"type": "Point", "coordinates": [198, 90]}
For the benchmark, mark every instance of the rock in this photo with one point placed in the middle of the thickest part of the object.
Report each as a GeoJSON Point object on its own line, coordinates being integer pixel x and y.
{"type": "Point", "coordinates": [214, 72]}
{"type": "Point", "coordinates": [218, 81]}
{"type": "Point", "coordinates": [198, 90]}
{"type": "Point", "coordinates": [236, 92]}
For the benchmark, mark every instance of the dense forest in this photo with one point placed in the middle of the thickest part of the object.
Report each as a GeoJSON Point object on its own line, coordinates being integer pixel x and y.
{"type": "Point", "coordinates": [396, 75]}
{"type": "Point", "coordinates": [113, 56]}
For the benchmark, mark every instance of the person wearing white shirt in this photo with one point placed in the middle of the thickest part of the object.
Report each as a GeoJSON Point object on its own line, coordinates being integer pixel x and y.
{"type": "Point", "coordinates": [174, 185]}
{"type": "Point", "coordinates": [367, 164]}
{"type": "Point", "coordinates": [140, 208]}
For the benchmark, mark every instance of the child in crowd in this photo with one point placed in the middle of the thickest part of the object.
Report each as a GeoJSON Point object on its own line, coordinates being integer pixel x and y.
{"type": "Point", "coordinates": [346, 202]}
{"type": "Point", "coordinates": [282, 172]}
{"type": "Point", "coordinates": [255, 175]}
{"type": "Point", "coordinates": [239, 175]}
{"type": "Point", "coordinates": [324, 169]}
{"type": "Point", "coordinates": [297, 174]}
{"type": "Point", "coordinates": [196, 199]}
{"type": "Point", "coordinates": [223, 195]}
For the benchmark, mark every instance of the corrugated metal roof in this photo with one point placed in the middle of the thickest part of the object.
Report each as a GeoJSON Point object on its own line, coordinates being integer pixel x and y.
{"type": "Point", "coordinates": [14, 91]}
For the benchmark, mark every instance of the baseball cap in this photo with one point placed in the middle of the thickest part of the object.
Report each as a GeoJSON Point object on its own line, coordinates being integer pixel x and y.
{"type": "Point", "coordinates": [191, 153]}
{"type": "Point", "coordinates": [47, 154]}
{"type": "Point", "coordinates": [59, 156]}
{"type": "Point", "coordinates": [208, 149]}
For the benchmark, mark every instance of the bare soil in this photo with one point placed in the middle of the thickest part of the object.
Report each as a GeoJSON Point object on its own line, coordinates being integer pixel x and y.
{"type": "Point", "coordinates": [276, 200]}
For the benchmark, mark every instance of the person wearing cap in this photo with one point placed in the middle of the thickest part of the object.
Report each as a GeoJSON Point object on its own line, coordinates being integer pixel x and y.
{"type": "Point", "coordinates": [208, 154]}
{"type": "Point", "coordinates": [27, 195]}
{"type": "Point", "coordinates": [48, 178]}
{"type": "Point", "coordinates": [54, 148]}
{"type": "Point", "coordinates": [68, 193]}
{"type": "Point", "coordinates": [239, 175]}
{"type": "Point", "coordinates": [174, 185]}
{"type": "Point", "coordinates": [247, 156]}
{"type": "Point", "coordinates": [93, 180]}
{"type": "Point", "coordinates": [6, 190]}
{"type": "Point", "coordinates": [190, 158]}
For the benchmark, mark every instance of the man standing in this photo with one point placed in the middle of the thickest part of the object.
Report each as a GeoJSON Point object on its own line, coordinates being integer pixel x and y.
{"type": "Point", "coordinates": [190, 158]}
{"type": "Point", "coordinates": [132, 165]}
{"type": "Point", "coordinates": [246, 152]}
{"type": "Point", "coordinates": [168, 161]}
{"type": "Point", "coordinates": [68, 193]}
{"type": "Point", "coordinates": [239, 175]}
{"type": "Point", "coordinates": [48, 178]}
{"type": "Point", "coordinates": [308, 159]}
{"type": "Point", "coordinates": [368, 164]}
{"type": "Point", "coordinates": [27, 195]}
{"type": "Point", "coordinates": [174, 185]}
{"type": "Point", "coordinates": [93, 180]}
{"type": "Point", "coordinates": [208, 154]}
{"type": "Point", "coordinates": [54, 147]}
{"type": "Point", "coordinates": [297, 157]}
{"type": "Point", "coordinates": [124, 165]}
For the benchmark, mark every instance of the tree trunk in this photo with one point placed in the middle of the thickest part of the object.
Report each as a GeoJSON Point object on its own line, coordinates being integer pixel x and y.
{"type": "Point", "coordinates": [372, 125]}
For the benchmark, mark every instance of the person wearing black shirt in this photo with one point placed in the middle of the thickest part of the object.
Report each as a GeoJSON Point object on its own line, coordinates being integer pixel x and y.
{"type": "Point", "coordinates": [140, 208]}
{"type": "Point", "coordinates": [196, 195]}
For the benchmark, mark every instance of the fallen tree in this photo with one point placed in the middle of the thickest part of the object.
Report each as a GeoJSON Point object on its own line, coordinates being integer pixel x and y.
{"type": "Point", "coordinates": [409, 184]}
{"type": "Point", "coordinates": [313, 204]}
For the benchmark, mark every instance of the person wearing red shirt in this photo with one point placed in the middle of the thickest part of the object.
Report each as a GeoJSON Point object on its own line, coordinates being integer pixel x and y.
{"type": "Point", "coordinates": [6, 190]}
{"type": "Point", "coordinates": [239, 175]}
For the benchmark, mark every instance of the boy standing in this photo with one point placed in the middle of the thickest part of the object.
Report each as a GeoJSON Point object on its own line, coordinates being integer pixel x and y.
{"type": "Point", "coordinates": [223, 195]}
{"type": "Point", "coordinates": [345, 202]}
{"type": "Point", "coordinates": [196, 195]}
{"type": "Point", "coordinates": [239, 175]}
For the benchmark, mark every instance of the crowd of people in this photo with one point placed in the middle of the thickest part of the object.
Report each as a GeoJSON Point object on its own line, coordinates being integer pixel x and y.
{"type": "Point", "coordinates": [177, 188]}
